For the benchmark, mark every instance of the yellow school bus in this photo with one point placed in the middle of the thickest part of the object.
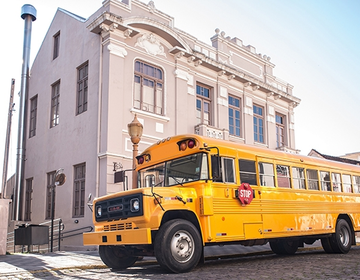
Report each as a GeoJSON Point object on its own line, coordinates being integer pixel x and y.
{"type": "Point", "coordinates": [195, 191]}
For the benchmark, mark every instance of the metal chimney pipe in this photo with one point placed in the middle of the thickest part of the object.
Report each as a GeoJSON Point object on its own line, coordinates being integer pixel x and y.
{"type": "Point", "coordinates": [28, 14]}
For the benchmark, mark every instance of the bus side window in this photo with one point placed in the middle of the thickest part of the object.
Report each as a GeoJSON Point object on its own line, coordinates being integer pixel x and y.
{"type": "Point", "coordinates": [216, 168]}
{"type": "Point", "coordinates": [247, 171]}
{"type": "Point", "coordinates": [283, 176]}
{"type": "Point", "coordinates": [325, 181]}
{"type": "Point", "coordinates": [313, 180]}
{"type": "Point", "coordinates": [228, 169]}
{"type": "Point", "coordinates": [336, 182]}
{"type": "Point", "coordinates": [356, 184]}
{"type": "Point", "coordinates": [298, 176]}
{"type": "Point", "coordinates": [266, 172]}
{"type": "Point", "coordinates": [346, 179]}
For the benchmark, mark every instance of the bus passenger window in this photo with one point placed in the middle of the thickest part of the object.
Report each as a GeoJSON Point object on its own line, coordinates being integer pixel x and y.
{"type": "Point", "coordinates": [247, 171]}
{"type": "Point", "coordinates": [325, 181]}
{"type": "Point", "coordinates": [336, 182]}
{"type": "Point", "coordinates": [298, 176]}
{"type": "Point", "coordinates": [266, 171]}
{"type": "Point", "coordinates": [283, 176]}
{"type": "Point", "coordinates": [228, 169]}
{"type": "Point", "coordinates": [346, 183]}
{"type": "Point", "coordinates": [313, 181]}
{"type": "Point", "coordinates": [356, 184]}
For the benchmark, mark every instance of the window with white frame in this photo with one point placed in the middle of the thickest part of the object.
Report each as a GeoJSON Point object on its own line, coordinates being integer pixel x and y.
{"type": "Point", "coordinates": [149, 88]}
{"type": "Point", "coordinates": [280, 130]}
{"type": "Point", "coordinates": [203, 104]}
{"type": "Point", "coordinates": [234, 116]}
{"type": "Point", "coordinates": [258, 123]}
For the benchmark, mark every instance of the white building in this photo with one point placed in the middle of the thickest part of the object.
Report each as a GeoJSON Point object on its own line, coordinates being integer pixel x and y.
{"type": "Point", "coordinates": [92, 75]}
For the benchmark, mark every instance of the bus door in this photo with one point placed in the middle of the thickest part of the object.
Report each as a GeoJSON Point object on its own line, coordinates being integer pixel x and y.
{"type": "Point", "coordinates": [232, 220]}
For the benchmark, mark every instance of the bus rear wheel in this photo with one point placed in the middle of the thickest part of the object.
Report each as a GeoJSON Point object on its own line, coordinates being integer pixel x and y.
{"type": "Point", "coordinates": [284, 247]}
{"type": "Point", "coordinates": [326, 244]}
{"type": "Point", "coordinates": [341, 239]}
{"type": "Point", "coordinates": [178, 246]}
{"type": "Point", "coordinates": [116, 257]}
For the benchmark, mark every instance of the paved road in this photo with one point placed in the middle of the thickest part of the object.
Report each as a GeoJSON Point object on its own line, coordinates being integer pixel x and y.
{"type": "Point", "coordinates": [315, 264]}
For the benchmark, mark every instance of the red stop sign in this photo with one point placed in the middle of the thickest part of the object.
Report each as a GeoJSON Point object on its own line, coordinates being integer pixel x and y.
{"type": "Point", "coordinates": [245, 194]}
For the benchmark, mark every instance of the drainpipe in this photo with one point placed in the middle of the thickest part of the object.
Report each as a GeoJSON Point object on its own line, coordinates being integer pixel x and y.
{"type": "Point", "coordinates": [28, 14]}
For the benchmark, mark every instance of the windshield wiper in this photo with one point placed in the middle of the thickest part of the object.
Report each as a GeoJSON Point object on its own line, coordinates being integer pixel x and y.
{"type": "Point", "coordinates": [180, 199]}
{"type": "Point", "coordinates": [155, 195]}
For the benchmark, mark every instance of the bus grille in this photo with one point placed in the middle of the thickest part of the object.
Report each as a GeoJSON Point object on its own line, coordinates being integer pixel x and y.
{"type": "Point", "coordinates": [119, 208]}
{"type": "Point", "coordinates": [115, 227]}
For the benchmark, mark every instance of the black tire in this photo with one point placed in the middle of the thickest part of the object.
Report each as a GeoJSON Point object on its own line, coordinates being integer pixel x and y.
{"type": "Point", "coordinates": [284, 247]}
{"type": "Point", "coordinates": [341, 239]}
{"type": "Point", "coordinates": [326, 244]}
{"type": "Point", "coordinates": [178, 246]}
{"type": "Point", "coordinates": [116, 257]}
{"type": "Point", "coordinates": [276, 247]}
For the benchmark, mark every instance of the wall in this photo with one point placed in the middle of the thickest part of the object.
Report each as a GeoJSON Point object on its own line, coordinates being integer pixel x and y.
{"type": "Point", "coordinates": [4, 219]}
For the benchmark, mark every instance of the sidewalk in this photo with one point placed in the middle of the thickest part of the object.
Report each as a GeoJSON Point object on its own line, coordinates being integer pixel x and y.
{"type": "Point", "coordinates": [31, 264]}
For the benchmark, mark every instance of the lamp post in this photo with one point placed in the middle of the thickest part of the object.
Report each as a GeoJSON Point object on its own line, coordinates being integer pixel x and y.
{"type": "Point", "coordinates": [135, 129]}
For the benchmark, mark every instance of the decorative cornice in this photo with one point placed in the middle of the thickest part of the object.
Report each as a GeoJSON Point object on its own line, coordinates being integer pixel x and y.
{"type": "Point", "coordinates": [107, 22]}
{"type": "Point", "coordinates": [230, 77]}
{"type": "Point", "coordinates": [221, 72]}
{"type": "Point", "coordinates": [197, 62]}
{"type": "Point", "coordinates": [117, 50]}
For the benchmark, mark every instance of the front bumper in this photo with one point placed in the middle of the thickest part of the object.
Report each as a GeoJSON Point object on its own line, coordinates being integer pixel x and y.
{"type": "Point", "coordinates": [119, 237]}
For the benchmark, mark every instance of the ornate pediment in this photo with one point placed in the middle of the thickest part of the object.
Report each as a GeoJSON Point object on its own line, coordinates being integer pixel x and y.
{"type": "Point", "coordinates": [151, 44]}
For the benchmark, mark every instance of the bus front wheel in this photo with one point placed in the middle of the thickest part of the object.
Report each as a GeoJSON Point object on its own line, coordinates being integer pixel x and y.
{"type": "Point", "coordinates": [178, 246]}
{"type": "Point", "coordinates": [116, 257]}
{"type": "Point", "coordinates": [341, 239]}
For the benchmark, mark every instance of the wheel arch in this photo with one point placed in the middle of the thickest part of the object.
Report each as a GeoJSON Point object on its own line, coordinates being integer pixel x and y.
{"type": "Point", "coordinates": [183, 214]}
{"type": "Point", "coordinates": [349, 220]}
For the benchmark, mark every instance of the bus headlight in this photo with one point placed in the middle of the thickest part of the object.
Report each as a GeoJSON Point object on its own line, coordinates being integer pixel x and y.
{"type": "Point", "coordinates": [98, 211]}
{"type": "Point", "coordinates": [134, 205]}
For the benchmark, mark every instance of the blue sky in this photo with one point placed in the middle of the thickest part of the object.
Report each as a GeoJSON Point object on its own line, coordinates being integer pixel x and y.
{"type": "Point", "coordinates": [315, 45]}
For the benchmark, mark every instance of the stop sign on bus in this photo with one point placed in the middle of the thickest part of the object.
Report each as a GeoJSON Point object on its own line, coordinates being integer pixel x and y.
{"type": "Point", "coordinates": [245, 194]}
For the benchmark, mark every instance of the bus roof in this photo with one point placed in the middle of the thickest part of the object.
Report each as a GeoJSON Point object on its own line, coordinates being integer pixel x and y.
{"type": "Point", "coordinates": [250, 150]}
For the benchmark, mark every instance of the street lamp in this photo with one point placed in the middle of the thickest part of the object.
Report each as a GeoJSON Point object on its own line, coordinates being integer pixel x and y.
{"type": "Point", "coordinates": [135, 129]}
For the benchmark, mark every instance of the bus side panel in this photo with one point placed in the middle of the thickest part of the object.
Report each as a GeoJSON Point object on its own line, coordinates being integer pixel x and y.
{"type": "Point", "coordinates": [293, 212]}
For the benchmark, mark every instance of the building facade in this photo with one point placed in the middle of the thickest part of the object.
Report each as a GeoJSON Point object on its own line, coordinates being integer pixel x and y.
{"type": "Point", "coordinates": [91, 76]}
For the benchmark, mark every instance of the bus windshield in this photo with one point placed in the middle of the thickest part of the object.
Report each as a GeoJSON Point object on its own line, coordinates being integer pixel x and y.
{"type": "Point", "coordinates": [173, 172]}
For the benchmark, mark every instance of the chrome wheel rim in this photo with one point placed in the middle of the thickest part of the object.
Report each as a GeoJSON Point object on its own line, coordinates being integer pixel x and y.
{"type": "Point", "coordinates": [182, 246]}
{"type": "Point", "coordinates": [344, 236]}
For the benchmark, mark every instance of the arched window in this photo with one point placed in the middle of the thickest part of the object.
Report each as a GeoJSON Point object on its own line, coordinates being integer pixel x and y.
{"type": "Point", "coordinates": [149, 84]}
